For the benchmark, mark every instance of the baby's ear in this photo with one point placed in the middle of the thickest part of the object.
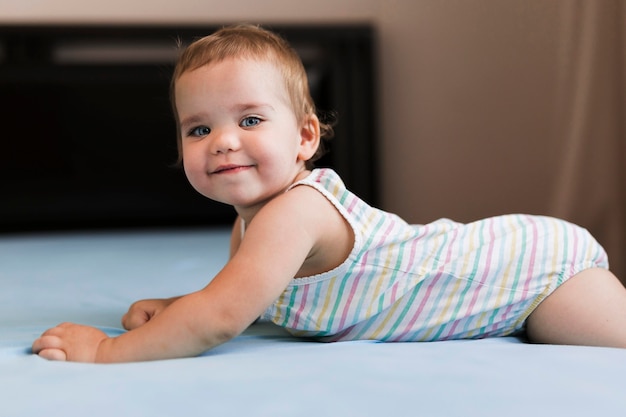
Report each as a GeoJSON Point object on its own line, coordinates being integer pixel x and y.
{"type": "Point", "coordinates": [309, 138]}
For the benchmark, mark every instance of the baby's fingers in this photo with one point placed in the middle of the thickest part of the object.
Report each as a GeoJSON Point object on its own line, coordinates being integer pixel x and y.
{"type": "Point", "coordinates": [53, 354]}
{"type": "Point", "coordinates": [49, 346]}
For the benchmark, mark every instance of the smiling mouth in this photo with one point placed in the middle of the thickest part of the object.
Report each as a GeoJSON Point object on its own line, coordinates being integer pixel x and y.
{"type": "Point", "coordinates": [231, 169]}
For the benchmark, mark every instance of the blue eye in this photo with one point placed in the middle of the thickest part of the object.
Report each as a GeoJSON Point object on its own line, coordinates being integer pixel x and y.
{"type": "Point", "coordinates": [200, 131]}
{"type": "Point", "coordinates": [250, 121]}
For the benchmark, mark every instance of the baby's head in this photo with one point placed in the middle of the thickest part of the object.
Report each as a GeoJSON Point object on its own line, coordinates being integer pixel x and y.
{"type": "Point", "coordinates": [253, 42]}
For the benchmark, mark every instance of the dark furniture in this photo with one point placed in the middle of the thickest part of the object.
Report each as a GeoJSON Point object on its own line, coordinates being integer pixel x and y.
{"type": "Point", "coordinates": [87, 139]}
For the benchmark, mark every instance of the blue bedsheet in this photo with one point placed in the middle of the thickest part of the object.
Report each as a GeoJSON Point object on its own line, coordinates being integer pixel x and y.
{"type": "Point", "coordinates": [92, 278]}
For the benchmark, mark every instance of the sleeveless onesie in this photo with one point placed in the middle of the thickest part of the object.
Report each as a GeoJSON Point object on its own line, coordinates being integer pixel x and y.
{"type": "Point", "coordinates": [439, 281]}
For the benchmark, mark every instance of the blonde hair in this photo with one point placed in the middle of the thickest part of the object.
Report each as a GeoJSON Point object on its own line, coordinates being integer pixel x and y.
{"type": "Point", "coordinates": [252, 42]}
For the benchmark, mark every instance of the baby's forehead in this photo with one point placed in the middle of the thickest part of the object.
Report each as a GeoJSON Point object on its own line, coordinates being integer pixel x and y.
{"type": "Point", "coordinates": [237, 78]}
{"type": "Point", "coordinates": [286, 82]}
{"type": "Point", "coordinates": [244, 63]}
{"type": "Point", "coordinates": [263, 65]}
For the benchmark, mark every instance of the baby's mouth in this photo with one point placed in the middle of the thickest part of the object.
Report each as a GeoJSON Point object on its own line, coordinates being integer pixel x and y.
{"type": "Point", "coordinates": [226, 169]}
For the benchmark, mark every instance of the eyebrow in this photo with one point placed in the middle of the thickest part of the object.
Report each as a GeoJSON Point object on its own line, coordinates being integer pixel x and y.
{"type": "Point", "coordinates": [191, 120]}
{"type": "Point", "coordinates": [251, 106]}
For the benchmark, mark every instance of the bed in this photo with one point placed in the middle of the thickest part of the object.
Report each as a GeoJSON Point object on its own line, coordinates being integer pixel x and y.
{"type": "Point", "coordinates": [92, 277]}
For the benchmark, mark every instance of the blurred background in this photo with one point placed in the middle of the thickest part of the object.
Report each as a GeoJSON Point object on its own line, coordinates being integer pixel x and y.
{"type": "Point", "coordinates": [478, 107]}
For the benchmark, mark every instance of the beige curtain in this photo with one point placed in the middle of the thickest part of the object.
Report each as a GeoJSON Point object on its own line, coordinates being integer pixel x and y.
{"type": "Point", "coordinates": [590, 185]}
{"type": "Point", "coordinates": [492, 107]}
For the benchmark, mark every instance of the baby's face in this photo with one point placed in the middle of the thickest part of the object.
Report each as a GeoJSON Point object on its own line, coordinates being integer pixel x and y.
{"type": "Point", "coordinates": [240, 137]}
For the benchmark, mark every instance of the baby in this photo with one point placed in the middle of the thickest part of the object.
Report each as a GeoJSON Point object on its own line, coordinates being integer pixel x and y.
{"type": "Point", "coordinates": [312, 257]}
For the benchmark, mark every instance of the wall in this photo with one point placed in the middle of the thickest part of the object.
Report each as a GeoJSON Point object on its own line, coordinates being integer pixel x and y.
{"type": "Point", "coordinates": [186, 11]}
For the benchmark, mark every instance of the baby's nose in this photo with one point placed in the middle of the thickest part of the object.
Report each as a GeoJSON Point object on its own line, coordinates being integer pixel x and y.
{"type": "Point", "coordinates": [224, 140]}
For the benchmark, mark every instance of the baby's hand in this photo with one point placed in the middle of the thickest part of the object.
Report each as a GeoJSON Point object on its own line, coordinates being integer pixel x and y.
{"type": "Point", "coordinates": [143, 311]}
{"type": "Point", "coordinates": [70, 342]}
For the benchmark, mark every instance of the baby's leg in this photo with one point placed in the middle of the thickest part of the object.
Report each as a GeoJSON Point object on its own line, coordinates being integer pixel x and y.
{"type": "Point", "coordinates": [588, 309]}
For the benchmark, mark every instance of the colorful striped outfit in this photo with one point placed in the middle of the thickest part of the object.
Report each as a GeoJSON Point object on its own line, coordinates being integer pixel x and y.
{"type": "Point", "coordinates": [438, 281]}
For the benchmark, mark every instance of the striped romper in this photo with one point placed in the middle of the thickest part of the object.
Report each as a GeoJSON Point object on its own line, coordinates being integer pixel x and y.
{"type": "Point", "coordinates": [438, 281]}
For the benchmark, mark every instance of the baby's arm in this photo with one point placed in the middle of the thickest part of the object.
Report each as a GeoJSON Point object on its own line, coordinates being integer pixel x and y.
{"type": "Point", "coordinates": [142, 311]}
{"type": "Point", "coordinates": [275, 247]}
